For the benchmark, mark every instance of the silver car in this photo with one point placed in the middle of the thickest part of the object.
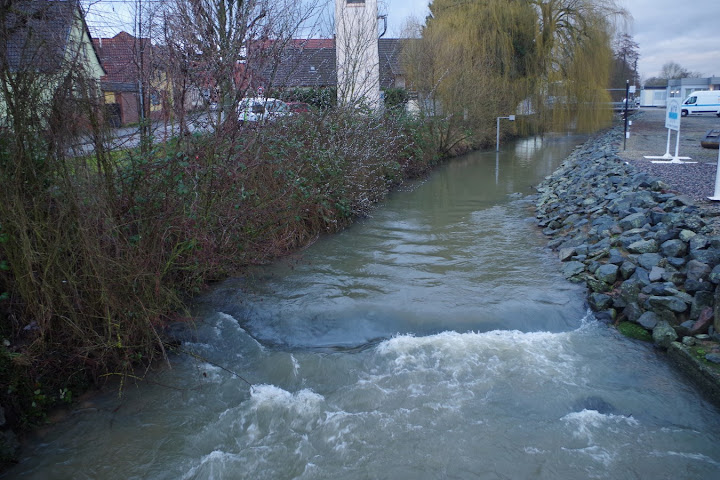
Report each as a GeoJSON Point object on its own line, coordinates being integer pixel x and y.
{"type": "Point", "coordinates": [259, 110]}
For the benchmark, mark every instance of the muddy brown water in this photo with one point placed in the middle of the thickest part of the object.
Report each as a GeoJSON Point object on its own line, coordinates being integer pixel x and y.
{"type": "Point", "coordinates": [435, 339]}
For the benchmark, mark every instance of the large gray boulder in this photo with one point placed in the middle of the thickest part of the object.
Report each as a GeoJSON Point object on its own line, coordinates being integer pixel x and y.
{"type": "Point", "coordinates": [608, 273]}
{"type": "Point", "coordinates": [648, 320]}
{"type": "Point", "coordinates": [674, 248]}
{"type": "Point", "coordinates": [572, 269]}
{"type": "Point", "coordinates": [644, 246]}
{"type": "Point", "coordinates": [672, 303]}
{"type": "Point", "coordinates": [635, 220]}
{"type": "Point", "coordinates": [663, 334]}
{"type": "Point", "coordinates": [697, 270]}
{"type": "Point", "coordinates": [649, 260]}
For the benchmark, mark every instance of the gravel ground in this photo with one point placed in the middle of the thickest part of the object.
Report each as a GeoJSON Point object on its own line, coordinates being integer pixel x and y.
{"type": "Point", "coordinates": [648, 136]}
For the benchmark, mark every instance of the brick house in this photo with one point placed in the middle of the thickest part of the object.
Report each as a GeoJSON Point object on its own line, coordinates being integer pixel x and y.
{"type": "Point", "coordinates": [133, 83]}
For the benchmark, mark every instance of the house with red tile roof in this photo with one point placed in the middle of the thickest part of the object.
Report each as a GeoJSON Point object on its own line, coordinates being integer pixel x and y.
{"type": "Point", "coordinates": [134, 86]}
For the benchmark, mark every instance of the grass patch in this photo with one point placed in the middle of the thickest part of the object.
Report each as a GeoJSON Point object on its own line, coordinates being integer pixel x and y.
{"type": "Point", "coordinates": [699, 352]}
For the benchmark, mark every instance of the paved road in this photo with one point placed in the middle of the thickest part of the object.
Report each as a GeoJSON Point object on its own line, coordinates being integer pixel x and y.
{"type": "Point", "coordinates": [129, 137]}
{"type": "Point", "coordinates": [648, 136]}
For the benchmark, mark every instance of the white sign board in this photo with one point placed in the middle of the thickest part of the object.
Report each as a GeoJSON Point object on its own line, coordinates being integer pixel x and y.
{"type": "Point", "coordinates": [672, 114]}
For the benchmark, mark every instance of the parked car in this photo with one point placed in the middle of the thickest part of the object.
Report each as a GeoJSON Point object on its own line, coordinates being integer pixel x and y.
{"type": "Point", "coordinates": [298, 107]}
{"type": "Point", "coordinates": [259, 110]}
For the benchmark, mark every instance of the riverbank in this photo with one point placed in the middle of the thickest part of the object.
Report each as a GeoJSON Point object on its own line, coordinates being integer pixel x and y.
{"type": "Point", "coordinates": [122, 252]}
{"type": "Point", "coordinates": [644, 239]}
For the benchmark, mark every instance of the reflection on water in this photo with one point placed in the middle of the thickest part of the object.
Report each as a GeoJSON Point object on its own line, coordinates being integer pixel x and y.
{"type": "Point", "coordinates": [527, 148]}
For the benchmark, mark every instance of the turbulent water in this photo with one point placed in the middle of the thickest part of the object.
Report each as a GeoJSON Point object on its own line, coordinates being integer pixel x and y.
{"type": "Point", "coordinates": [433, 340]}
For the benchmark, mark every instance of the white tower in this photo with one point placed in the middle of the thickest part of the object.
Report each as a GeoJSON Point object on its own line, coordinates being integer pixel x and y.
{"type": "Point", "coordinates": [357, 58]}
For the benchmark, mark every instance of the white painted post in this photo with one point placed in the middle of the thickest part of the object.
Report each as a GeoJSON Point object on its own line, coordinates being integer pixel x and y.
{"type": "Point", "coordinates": [667, 147]}
{"type": "Point", "coordinates": [497, 131]}
{"type": "Point", "coordinates": [716, 197]}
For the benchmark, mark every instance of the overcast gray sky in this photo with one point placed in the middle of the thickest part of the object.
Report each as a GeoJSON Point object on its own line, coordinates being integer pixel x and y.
{"type": "Point", "coordinates": [687, 33]}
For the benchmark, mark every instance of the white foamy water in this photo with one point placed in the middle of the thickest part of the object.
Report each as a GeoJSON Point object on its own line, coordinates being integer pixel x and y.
{"type": "Point", "coordinates": [450, 405]}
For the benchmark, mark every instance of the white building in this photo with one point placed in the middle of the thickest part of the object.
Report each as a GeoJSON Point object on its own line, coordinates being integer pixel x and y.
{"type": "Point", "coordinates": [653, 97]}
{"type": "Point", "coordinates": [357, 58]}
{"type": "Point", "coordinates": [678, 88]}
{"type": "Point", "coordinates": [683, 87]}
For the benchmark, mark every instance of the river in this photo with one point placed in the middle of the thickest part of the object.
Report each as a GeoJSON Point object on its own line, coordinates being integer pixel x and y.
{"type": "Point", "coordinates": [434, 340]}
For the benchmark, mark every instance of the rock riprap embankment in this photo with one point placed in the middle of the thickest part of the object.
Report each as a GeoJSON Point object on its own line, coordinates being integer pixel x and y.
{"type": "Point", "coordinates": [648, 255]}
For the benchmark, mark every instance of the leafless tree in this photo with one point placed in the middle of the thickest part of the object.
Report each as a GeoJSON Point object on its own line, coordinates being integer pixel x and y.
{"type": "Point", "coordinates": [218, 47]}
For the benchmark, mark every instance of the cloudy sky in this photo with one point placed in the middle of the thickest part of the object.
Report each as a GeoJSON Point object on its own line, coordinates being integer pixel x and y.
{"type": "Point", "coordinates": [687, 33]}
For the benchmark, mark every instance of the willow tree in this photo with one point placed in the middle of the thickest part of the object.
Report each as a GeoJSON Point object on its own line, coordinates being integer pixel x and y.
{"type": "Point", "coordinates": [574, 60]}
{"type": "Point", "coordinates": [547, 57]}
{"type": "Point", "coordinates": [469, 64]}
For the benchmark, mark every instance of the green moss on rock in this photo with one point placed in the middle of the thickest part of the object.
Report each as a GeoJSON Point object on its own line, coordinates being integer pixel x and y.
{"type": "Point", "coordinates": [633, 330]}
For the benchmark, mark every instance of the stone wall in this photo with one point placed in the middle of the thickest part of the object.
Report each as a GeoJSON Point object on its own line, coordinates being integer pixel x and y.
{"type": "Point", "coordinates": [647, 254]}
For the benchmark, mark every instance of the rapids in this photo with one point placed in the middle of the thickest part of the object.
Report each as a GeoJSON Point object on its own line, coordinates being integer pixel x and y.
{"type": "Point", "coordinates": [435, 339]}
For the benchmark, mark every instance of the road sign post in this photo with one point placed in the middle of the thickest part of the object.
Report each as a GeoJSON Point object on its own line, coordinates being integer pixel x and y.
{"type": "Point", "coordinates": [672, 122]}
{"type": "Point", "coordinates": [716, 196]}
{"type": "Point", "coordinates": [625, 107]}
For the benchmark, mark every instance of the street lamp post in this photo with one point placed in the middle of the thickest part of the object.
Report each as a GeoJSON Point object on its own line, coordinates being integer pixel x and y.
{"type": "Point", "coordinates": [497, 141]}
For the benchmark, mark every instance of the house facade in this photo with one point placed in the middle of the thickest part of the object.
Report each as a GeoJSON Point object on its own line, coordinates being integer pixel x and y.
{"type": "Point", "coordinates": [311, 63]}
{"type": "Point", "coordinates": [134, 86]}
{"type": "Point", "coordinates": [656, 96]}
{"type": "Point", "coordinates": [683, 87]}
{"type": "Point", "coordinates": [653, 96]}
{"type": "Point", "coordinates": [48, 43]}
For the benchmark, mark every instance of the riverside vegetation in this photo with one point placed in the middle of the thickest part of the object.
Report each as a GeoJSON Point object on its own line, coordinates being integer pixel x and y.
{"type": "Point", "coordinates": [99, 253]}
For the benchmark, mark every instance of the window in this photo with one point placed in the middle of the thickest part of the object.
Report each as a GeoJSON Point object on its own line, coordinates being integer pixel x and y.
{"type": "Point", "coordinates": [691, 101]}
{"type": "Point", "coordinates": [275, 106]}
{"type": "Point", "coordinates": [355, 1]}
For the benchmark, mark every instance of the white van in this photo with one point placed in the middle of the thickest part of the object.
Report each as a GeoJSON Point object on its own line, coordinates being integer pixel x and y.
{"type": "Point", "coordinates": [702, 101]}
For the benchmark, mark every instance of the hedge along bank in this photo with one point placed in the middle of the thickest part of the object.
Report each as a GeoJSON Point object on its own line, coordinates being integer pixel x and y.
{"type": "Point", "coordinates": [648, 255]}
{"type": "Point", "coordinates": [127, 248]}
